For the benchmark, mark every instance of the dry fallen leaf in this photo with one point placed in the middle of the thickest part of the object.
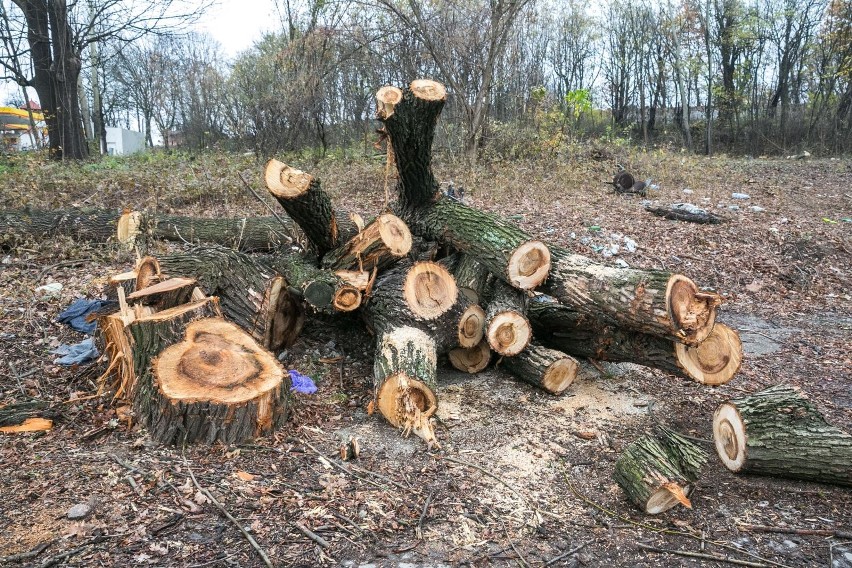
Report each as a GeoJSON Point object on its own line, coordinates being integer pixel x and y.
{"type": "Point", "coordinates": [245, 476]}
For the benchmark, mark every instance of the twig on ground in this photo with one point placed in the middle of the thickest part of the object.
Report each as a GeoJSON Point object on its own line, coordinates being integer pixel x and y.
{"type": "Point", "coordinates": [702, 556]}
{"type": "Point", "coordinates": [236, 523]}
{"type": "Point", "coordinates": [21, 556]}
{"type": "Point", "coordinates": [349, 470]}
{"type": "Point", "coordinates": [790, 530]}
{"type": "Point", "coordinates": [521, 558]}
{"type": "Point", "coordinates": [574, 550]}
{"type": "Point", "coordinates": [76, 262]}
{"type": "Point", "coordinates": [54, 560]}
{"type": "Point", "coordinates": [419, 530]}
{"type": "Point", "coordinates": [312, 535]}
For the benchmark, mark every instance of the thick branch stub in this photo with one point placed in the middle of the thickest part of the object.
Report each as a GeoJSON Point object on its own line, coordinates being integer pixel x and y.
{"type": "Point", "coordinates": [386, 99]}
{"type": "Point", "coordinates": [428, 90]}
{"type": "Point", "coordinates": [285, 181]}
{"type": "Point", "coordinates": [471, 359]}
{"type": "Point", "coordinates": [429, 290]}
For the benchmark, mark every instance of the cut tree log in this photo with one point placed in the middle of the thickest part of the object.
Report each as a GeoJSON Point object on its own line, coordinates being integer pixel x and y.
{"type": "Point", "coordinates": [547, 369]}
{"type": "Point", "coordinates": [471, 277]}
{"type": "Point", "coordinates": [148, 272]}
{"type": "Point", "coordinates": [405, 375]}
{"type": "Point", "coordinates": [164, 294]}
{"type": "Point", "coordinates": [410, 117]}
{"type": "Point", "coordinates": [94, 225]}
{"type": "Point", "coordinates": [301, 196]}
{"type": "Point", "coordinates": [423, 295]}
{"type": "Point", "coordinates": [715, 361]}
{"type": "Point", "coordinates": [382, 242]}
{"type": "Point", "coordinates": [649, 473]}
{"type": "Point", "coordinates": [779, 432]}
{"type": "Point", "coordinates": [251, 294]}
{"type": "Point", "coordinates": [506, 327]}
{"type": "Point", "coordinates": [471, 359]}
{"type": "Point", "coordinates": [246, 234]}
{"type": "Point", "coordinates": [690, 214]}
{"type": "Point", "coordinates": [215, 385]}
{"type": "Point", "coordinates": [649, 301]}
{"type": "Point", "coordinates": [322, 289]}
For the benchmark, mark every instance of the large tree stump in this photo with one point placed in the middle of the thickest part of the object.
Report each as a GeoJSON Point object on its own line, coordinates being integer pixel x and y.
{"type": "Point", "coordinates": [649, 471]}
{"type": "Point", "coordinates": [713, 362]}
{"type": "Point", "coordinates": [215, 385]}
{"type": "Point", "coordinates": [778, 432]}
{"type": "Point", "coordinates": [423, 295]}
{"type": "Point", "coordinates": [382, 242]}
{"type": "Point", "coordinates": [251, 294]}
{"type": "Point", "coordinates": [547, 369]}
{"type": "Point", "coordinates": [245, 234]}
{"type": "Point", "coordinates": [301, 196]}
{"type": "Point", "coordinates": [405, 376]}
{"type": "Point", "coordinates": [506, 327]}
{"type": "Point", "coordinates": [649, 301]}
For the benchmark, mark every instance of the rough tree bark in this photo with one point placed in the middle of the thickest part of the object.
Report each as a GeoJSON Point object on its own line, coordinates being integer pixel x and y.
{"type": "Point", "coordinates": [547, 369]}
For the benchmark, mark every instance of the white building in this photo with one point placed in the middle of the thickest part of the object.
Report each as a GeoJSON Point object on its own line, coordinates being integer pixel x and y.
{"type": "Point", "coordinates": [121, 142]}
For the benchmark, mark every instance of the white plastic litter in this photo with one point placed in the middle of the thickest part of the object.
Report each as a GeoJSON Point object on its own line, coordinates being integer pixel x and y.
{"type": "Point", "coordinates": [757, 209]}
{"type": "Point", "coordinates": [49, 290]}
{"type": "Point", "coordinates": [740, 196]}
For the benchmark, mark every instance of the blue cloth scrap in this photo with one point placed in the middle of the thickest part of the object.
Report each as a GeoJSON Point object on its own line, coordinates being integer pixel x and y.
{"type": "Point", "coordinates": [75, 314]}
{"type": "Point", "coordinates": [76, 354]}
{"type": "Point", "coordinates": [301, 383]}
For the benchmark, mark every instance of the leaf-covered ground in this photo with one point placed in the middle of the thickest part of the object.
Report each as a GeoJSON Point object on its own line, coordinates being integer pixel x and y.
{"type": "Point", "coordinates": [523, 478]}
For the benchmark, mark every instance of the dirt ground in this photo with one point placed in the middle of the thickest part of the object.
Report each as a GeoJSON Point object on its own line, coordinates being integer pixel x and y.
{"type": "Point", "coordinates": [523, 478]}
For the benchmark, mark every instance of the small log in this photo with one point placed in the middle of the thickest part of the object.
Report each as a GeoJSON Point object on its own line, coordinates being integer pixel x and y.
{"type": "Point", "coordinates": [252, 295]}
{"type": "Point", "coordinates": [715, 361]}
{"type": "Point", "coordinates": [681, 214]}
{"type": "Point", "coordinates": [423, 295]}
{"type": "Point", "coordinates": [779, 432]}
{"type": "Point", "coordinates": [649, 474]}
{"type": "Point", "coordinates": [507, 329]}
{"type": "Point", "coordinates": [382, 242]}
{"type": "Point", "coordinates": [471, 359]}
{"type": "Point", "coordinates": [301, 196]}
{"type": "Point", "coordinates": [215, 385]}
{"type": "Point", "coordinates": [547, 369]}
{"type": "Point", "coordinates": [405, 375]}
{"type": "Point", "coordinates": [471, 277]}
{"type": "Point", "coordinates": [649, 301]}
{"type": "Point", "coordinates": [410, 117]}
{"type": "Point", "coordinates": [322, 289]}
{"type": "Point", "coordinates": [245, 234]}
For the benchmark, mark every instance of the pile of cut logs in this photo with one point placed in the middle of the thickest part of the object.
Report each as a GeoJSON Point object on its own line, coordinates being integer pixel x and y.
{"type": "Point", "coordinates": [431, 277]}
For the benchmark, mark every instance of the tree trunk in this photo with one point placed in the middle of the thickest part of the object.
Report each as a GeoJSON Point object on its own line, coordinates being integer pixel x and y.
{"type": "Point", "coordinates": [778, 432]}
{"type": "Point", "coordinates": [252, 295]}
{"type": "Point", "coordinates": [471, 277]}
{"type": "Point", "coordinates": [79, 224]}
{"type": "Point", "coordinates": [471, 359]}
{"type": "Point", "coordinates": [712, 362]}
{"type": "Point", "coordinates": [246, 234]}
{"type": "Point", "coordinates": [213, 383]}
{"type": "Point", "coordinates": [384, 241]}
{"type": "Point", "coordinates": [649, 473]}
{"type": "Point", "coordinates": [405, 375]}
{"type": "Point", "coordinates": [649, 301]}
{"type": "Point", "coordinates": [506, 326]}
{"type": "Point", "coordinates": [547, 369]}
{"type": "Point", "coordinates": [300, 194]}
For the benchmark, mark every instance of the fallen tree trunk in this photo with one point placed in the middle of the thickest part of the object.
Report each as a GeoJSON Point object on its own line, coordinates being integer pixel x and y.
{"type": "Point", "coordinates": [251, 294]}
{"type": "Point", "coordinates": [651, 474]}
{"type": "Point", "coordinates": [547, 369]}
{"type": "Point", "coordinates": [506, 327]}
{"type": "Point", "coordinates": [245, 234]}
{"type": "Point", "coordinates": [405, 375]}
{"type": "Point", "coordinates": [649, 301]}
{"type": "Point", "coordinates": [301, 196]}
{"type": "Point", "coordinates": [713, 362]}
{"type": "Point", "coordinates": [382, 242]}
{"type": "Point", "coordinates": [778, 432]}
{"type": "Point", "coordinates": [94, 225]}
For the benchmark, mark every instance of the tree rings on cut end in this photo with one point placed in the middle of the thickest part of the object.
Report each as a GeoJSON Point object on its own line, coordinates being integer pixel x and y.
{"type": "Point", "coordinates": [284, 181]}
{"type": "Point", "coordinates": [693, 313]}
{"type": "Point", "coordinates": [387, 98]}
{"type": "Point", "coordinates": [509, 333]}
{"type": "Point", "coordinates": [216, 362]}
{"type": "Point", "coordinates": [347, 298]}
{"type": "Point", "coordinates": [559, 375]}
{"type": "Point", "coordinates": [286, 316]}
{"type": "Point", "coordinates": [429, 290]}
{"type": "Point", "coordinates": [148, 272]}
{"type": "Point", "coordinates": [394, 234]}
{"type": "Point", "coordinates": [730, 436]}
{"type": "Point", "coordinates": [529, 265]}
{"type": "Point", "coordinates": [715, 360]}
{"type": "Point", "coordinates": [471, 328]}
{"type": "Point", "coordinates": [428, 90]}
{"type": "Point", "coordinates": [472, 359]}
